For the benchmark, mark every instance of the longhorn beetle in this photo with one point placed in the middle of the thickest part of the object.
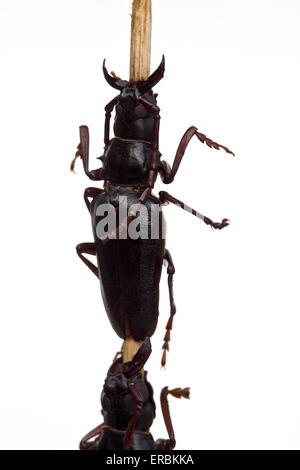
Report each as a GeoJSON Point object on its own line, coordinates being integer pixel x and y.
{"type": "Point", "coordinates": [129, 269]}
{"type": "Point", "coordinates": [128, 408]}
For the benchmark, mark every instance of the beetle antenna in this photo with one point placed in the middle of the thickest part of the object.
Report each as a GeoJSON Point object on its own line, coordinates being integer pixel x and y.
{"type": "Point", "coordinates": [77, 154]}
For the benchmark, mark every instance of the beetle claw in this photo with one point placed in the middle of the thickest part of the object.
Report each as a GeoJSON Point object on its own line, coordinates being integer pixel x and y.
{"type": "Point", "coordinates": [220, 225]}
{"type": "Point", "coordinates": [217, 225]}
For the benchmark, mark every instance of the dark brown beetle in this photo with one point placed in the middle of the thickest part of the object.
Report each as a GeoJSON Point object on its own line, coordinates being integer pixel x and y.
{"type": "Point", "coordinates": [129, 269]}
{"type": "Point", "coordinates": [128, 409]}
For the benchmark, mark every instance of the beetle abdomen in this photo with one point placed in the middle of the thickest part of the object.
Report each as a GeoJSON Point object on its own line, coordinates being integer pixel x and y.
{"type": "Point", "coordinates": [130, 270]}
{"type": "Point", "coordinates": [126, 161]}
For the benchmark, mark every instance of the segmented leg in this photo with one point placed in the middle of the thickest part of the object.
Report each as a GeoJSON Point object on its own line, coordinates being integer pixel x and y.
{"type": "Point", "coordinates": [171, 272]}
{"type": "Point", "coordinates": [132, 423]}
{"type": "Point", "coordinates": [166, 197]}
{"type": "Point", "coordinates": [167, 173]}
{"type": "Point", "coordinates": [108, 110]}
{"type": "Point", "coordinates": [86, 442]}
{"type": "Point", "coordinates": [169, 444]}
{"type": "Point", "coordinates": [154, 146]}
{"type": "Point", "coordinates": [91, 192]}
{"type": "Point", "coordinates": [89, 249]}
{"type": "Point", "coordinates": [118, 353]}
{"type": "Point", "coordinates": [83, 153]}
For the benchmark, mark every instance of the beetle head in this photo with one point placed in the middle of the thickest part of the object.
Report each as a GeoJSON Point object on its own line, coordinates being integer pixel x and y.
{"type": "Point", "coordinates": [130, 94]}
{"type": "Point", "coordinates": [116, 382]}
{"type": "Point", "coordinates": [141, 86]}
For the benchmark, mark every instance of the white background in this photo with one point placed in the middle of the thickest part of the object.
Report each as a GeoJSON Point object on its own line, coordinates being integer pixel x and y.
{"type": "Point", "coordinates": [232, 69]}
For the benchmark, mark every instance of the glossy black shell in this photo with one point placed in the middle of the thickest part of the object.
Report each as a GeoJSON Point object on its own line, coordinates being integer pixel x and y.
{"type": "Point", "coordinates": [118, 410]}
{"type": "Point", "coordinates": [126, 161]}
{"type": "Point", "coordinates": [130, 271]}
{"type": "Point", "coordinates": [127, 157]}
{"type": "Point", "coordinates": [133, 120]}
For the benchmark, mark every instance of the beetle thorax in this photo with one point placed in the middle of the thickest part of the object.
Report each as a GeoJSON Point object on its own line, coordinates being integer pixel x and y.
{"type": "Point", "coordinates": [133, 120]}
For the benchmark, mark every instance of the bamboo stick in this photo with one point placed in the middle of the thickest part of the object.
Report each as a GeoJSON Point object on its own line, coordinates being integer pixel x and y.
{"type": "Point", "coordinates": [130, 347]}
{"type": "Point", "coordinates": [140, 46]}
{"type": "Point", "coordinates": [140, 57]}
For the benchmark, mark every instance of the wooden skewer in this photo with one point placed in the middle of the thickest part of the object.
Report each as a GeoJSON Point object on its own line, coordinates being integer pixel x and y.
{"type": "Point", "coordinates": [140, 46]}
{"type": "Point", "coordinates": [140, 57]}
{"type": "Point", "coordinates": [130, 347]}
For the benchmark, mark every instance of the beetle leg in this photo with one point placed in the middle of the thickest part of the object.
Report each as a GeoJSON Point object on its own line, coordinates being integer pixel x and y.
{"type": "Point", "coordinates": [169, 176]}
{"type": "Point", "coordinates": [148, 105]}
{"type": "Point", "coordinates": [118, 353]}
{"type": "Point", "coordinates": [136, 394]}
{"type": "Point", "coordinates": [90, 249]}
{"type": "Point", "coordinates": [169, 444]}
{"type": "Point", "coordinates": [166, 197]}
{"type": "Point", "coordinates": [154, 146]}
{"type": "Point", "coordinates": [91, 192]}
{"type": "Point", "coordinates": [170, 271]}
{"type": "Point", "coordinates": [95, 433]}
{"type": "Point", "coordinates": [165, 171]}
{"type": "Point", "coordinates": [108, 110]}
{"type": "Point", "coordinates": [83, 153]}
